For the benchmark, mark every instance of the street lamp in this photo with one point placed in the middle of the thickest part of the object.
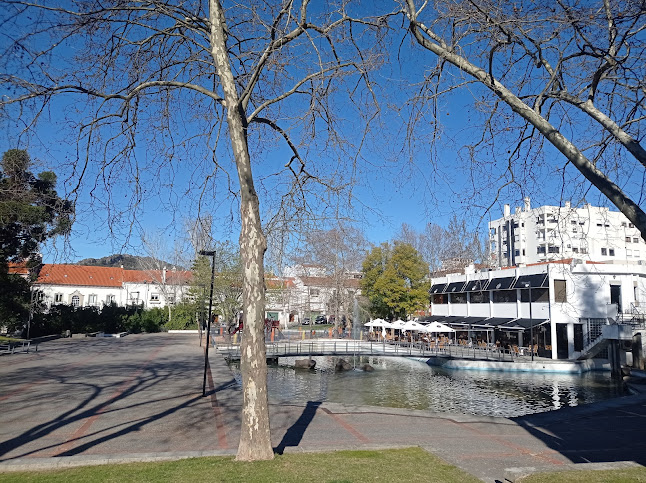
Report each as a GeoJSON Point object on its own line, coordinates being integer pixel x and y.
{"type": "Point", "coordinates": [208, 253]}
{"type": "Point", "coordinates": [531, 321]}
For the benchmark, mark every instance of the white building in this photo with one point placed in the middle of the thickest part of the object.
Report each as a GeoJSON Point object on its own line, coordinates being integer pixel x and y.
{"type": "Point", "coordinates": [306, 291]}
{"type": "Point", "coordinates": [570, 302]}
{"type": "Point", "coordinates": [82, 286]}
{"type": "Point", "coordinates": [556, 232]}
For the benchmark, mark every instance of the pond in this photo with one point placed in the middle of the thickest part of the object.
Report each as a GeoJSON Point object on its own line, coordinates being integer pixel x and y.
{"type": "Point", "coordinates": [404, 383]}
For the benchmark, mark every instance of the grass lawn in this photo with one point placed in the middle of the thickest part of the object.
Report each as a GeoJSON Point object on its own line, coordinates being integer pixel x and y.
{"type": "Point", "coordinates": [8, 339]}
{"type": "Point", "coordinates": [585, 476]}
{"type": "Point", "coordinates": [411, 464]}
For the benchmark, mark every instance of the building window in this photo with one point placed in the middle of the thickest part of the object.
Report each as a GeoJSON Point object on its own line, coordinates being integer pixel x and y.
{"type": "Point", "coordinates": [560, 291]}
{"type": "Point", "coordinates": [171, 299]}
{"type": "Point", "coordinates": [314, 292]}
{"type": "Point", "coordinates": [58, 298]}
{"type": "Point", "coordinates": [91, 300]}
{"type": "Point", "coordinates": [458, 298]}
{"type": "Point", "coordinates": [538, 295]}
{"type": "Point", "coordinates": [516, 253]}
{"type": "Point", "coordinates": [553, 249]}
{"type": "Point", "coordinates": [109, 299]}
{"type": "Point", "coordinates": [628, 239]}
{"type": "Point", "coordinates": [540, 250]}
{"type": "Point", "coordinates": [604, 251]}
{"type": "Point", "coordinates": [630, 225]}
{"type": "Point", "coordinates": [575, 250]}
{"type": "Point", "coordinates": [479, 297]}
{"type": "Point", "coordinates": [154, 297]}
{"type": "Point", "coordinates": [440, 299]}
{"type": "Point", "coordinates": [635, 240]}
{"type": "Point", "coordinates": [623, 223]}
{"type": "Point", "coordinates": [584, 251]}
{"type": "Point", "coordinates": [611, 252]}
{"type": "Point", "coordinates": [76, 301]}
{"type": "Point", "coordinates": [504, 296]}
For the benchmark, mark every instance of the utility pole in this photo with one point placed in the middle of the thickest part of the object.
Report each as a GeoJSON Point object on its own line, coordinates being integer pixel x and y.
{"type": "Point", "coordinates": [208, 253]}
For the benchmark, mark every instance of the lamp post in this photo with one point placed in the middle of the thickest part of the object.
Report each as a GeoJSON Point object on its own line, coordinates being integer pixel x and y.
{"type": "Point", "coordinates": [208, 253]}
{"type": "Point", "coordinates": [531, 320]}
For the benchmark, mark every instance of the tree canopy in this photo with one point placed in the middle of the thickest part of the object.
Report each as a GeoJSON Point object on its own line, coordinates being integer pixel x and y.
{"type": "Point", "coordinates": [395, 280]}
{"type": "Point", "coordinates": [30, 210]}
{"type": "Point", "coordinates": [30, 213]}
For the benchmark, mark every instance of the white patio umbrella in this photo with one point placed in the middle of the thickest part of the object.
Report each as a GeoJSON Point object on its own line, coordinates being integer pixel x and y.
{"type": "Point", "coordinates": [398, 324]}
{"type": "Point", "coordinates": [412, 325]}
{"type": "Point", "coordinates": [438, 327]}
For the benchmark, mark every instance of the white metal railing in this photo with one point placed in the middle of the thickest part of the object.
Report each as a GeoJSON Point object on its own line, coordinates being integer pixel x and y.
{"type": "Point", "coordinates": [362, 348]}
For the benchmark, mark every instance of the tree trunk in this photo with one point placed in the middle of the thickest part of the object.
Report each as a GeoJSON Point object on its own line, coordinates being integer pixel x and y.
{"type": "Point", "coordinates": [255, 438]}
{"type": "Point", "coordinates": [597, 178]}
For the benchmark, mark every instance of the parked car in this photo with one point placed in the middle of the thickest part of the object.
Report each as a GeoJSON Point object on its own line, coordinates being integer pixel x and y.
{"type": "Point", "coordinates": [306, 321]}
{"type": "Point", "coordinates": [320, 319]}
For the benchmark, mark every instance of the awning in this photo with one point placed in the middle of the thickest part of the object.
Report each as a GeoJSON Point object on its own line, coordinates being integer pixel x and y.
{"type": "Point", "coordinates": [500, 283]}
{"type": "Point", "coordinates": [476, 285]}
{"type": "Point", "coordinates": [454, 287]}
{"type": "Point", "coordinates": [528, 323]}
{"type": "Point", "coordinates": [537, 280]}
{"type": "Point", "coordinates": [437, 288]}
{"type": "Point", "coordinates": [497, 321]}
{"type": "Point", "coordinates": [431, 318]}
{"type": "Point", "coordinates": [467, 321]}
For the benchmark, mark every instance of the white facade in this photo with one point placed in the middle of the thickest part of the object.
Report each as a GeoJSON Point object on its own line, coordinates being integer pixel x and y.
{"type": "Point", "coordinates": [83, 286]}
{"type": "Point", "coordinates": [557, 232]}
{"type": "Point", "coordinates": [307, 292]}
{"type": "Point", "coordinates": [570, 301]}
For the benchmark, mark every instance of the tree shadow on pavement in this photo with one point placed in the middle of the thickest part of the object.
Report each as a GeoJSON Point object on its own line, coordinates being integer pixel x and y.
{"type": "Point", "coordinates": [605, 432]}
{"type": "Point", "coordinates": [294, 434]}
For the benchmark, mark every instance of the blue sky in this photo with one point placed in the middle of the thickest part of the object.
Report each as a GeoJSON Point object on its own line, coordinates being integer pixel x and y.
{"type": "Point", "coordinates": [394, 181]}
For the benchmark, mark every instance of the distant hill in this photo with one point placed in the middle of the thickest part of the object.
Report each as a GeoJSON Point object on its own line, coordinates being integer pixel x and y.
{"type": "Point", "coordinates": [129, 262]}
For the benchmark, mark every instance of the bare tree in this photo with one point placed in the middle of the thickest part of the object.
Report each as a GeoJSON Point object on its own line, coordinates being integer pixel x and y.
{"type": "Point", "coordinates": [572, 73]}
{"type": "Point", "coordinates": [340, 252]}
{"type": "Point", "coordinates": [445, 248]}
{"type": "Point", "coordinates": [178, 77]}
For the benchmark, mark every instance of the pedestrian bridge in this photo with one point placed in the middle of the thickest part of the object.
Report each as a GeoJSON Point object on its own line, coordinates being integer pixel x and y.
{"type": "Point", "coordinates": [350, 348]}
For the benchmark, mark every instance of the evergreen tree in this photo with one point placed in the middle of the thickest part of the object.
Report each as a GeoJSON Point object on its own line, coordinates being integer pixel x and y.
{"type": "Point", "coordinates": [30, 213]}
{"type": "Point", "coordinates": [395, 280]}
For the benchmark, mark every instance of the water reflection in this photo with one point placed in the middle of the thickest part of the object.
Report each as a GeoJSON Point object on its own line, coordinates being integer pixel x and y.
{"type": "Point", "coordinates": [404, 383]}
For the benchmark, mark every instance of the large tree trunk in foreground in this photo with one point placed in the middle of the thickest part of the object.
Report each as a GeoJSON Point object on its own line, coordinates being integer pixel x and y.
{"type": "Point", "coordinates": [255, 438]}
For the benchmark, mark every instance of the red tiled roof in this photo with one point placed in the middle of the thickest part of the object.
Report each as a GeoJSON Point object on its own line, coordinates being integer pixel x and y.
{"type": "Point", "coordinates": [55, 274]}
{"type": "Point", "coordinates": [155, 276]}
{"type": "Point", "coordinates": [18, 268]}
{"type": "Point", "coordinates": [278, 283]}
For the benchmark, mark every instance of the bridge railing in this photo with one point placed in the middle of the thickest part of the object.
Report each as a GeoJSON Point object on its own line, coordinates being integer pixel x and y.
{"type": "Point", "coordinates": [358, 348]}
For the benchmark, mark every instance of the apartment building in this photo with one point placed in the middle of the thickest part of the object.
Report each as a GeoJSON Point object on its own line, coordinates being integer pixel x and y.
{"type": "Point", "coordinates": [547, 233]}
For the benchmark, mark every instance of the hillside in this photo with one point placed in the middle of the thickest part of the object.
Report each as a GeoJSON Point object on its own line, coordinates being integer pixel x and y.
{"type": "Point", "coordinates": [129, 262]}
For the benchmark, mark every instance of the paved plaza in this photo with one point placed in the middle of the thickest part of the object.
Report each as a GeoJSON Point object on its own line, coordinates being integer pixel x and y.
{"type": "Point", "coordinates": [93, 400]}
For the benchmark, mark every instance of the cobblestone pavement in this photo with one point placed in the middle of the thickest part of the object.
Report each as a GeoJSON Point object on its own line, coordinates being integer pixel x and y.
{"type": "Point", "coordinates": [89, 401]}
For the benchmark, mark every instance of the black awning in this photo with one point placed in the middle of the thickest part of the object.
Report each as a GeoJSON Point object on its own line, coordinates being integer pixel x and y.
{"type": "Point", "coordinates": [476, 285]}
{"type": "Point", "coordinates": [437, 288]}
{"type": "Point", "coordinates": [537, 280]}
{"type": "Point", "coordinates": [450, 319]}
{"type": "Point", "coordinates": [468, 321]}
{"type": "Point", "coordinates": [500, 283]}
{"type": "Point", "coordinates": [454, 287]}
{"type": "Point", "coordinates": [528, 323]}
{"type": "Point", "coordinates": [430, 318]}
{"type": "Point", "coordinates": [496, 321]}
